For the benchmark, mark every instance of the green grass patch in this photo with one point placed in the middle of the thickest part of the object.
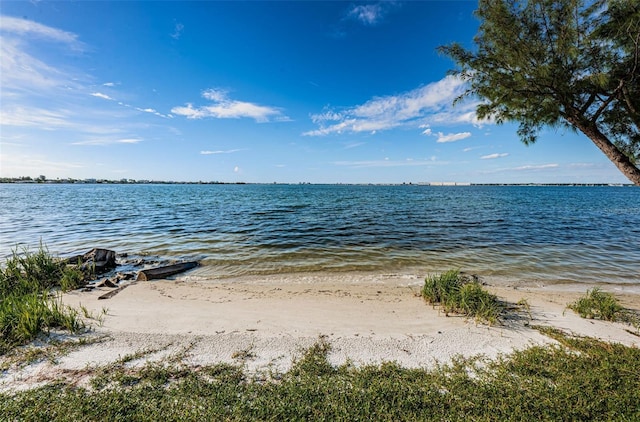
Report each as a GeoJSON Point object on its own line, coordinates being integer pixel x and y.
{"type": "Point", "coordinates": [578, 379]}
{"type": "Point", "coordinates": [596, 304]}
{"type": "Point", "coordinates": [27, 305]}
{"type": "Point", "coordinates": [462, 294]}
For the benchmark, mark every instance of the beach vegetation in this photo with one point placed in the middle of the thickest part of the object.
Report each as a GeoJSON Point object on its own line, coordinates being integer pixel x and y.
{"type": "Point", "coordinates": [461, 294]}
{"type": "Point", "coordinates": [575, 379]}
{"type": "Point", "coordinates": [597, 304]}
{"type": "Point", "coordinates": [29, 305]}
{"type": "Point", "coordinates": [571, 64]}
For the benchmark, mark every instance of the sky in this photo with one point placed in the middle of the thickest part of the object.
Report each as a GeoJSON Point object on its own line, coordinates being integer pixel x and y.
{"type": "Point", "coordinates": [258, 92]}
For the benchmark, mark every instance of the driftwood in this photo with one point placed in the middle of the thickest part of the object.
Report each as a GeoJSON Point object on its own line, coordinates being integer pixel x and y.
{"type": "Point", "coordinates": [113, 292]}
{"type": "Point", "coordinates": [166, 271]}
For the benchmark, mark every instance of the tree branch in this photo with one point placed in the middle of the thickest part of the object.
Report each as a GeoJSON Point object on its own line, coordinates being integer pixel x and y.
{"type": "Point", "coordinates": [608, 101]}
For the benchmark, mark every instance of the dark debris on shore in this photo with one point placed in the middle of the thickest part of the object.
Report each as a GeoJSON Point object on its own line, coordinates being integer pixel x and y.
{"type": "Point", "coordinates": [106, 268]}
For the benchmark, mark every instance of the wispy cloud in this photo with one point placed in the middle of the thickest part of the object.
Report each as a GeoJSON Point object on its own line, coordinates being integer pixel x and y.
{"type": "Point", "coordinates": [229, 151]}
{"type": "Point", "coordinates": [143, 110]}
{"type": "Point", "coordinates": [108, 141]}
{"type": "Point", "coordinates": [452, 137]}
{"type": "Point", "coordinates": [494, 156]}
{"type": "Point", "coordinates": [354, 145]}
{"type": "Point", "coordinates": [20, 71]}
{"type": "Point", "coordinates": [177, 31]}
{"type": "Point", "coordinates": [101, 95]}
{"type": "Point", "coordinates": [223, 107]}
{"type": "Point", "coordinates": [370, 14]}
{"type": "Point", "coordinates": [416, 108]}
{"type": "Point", "coordinates": [35, 117]}
{"type": "Point", "coordinates": [27, 28]}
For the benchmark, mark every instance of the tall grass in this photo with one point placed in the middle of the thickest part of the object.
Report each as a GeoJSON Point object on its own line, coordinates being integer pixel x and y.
{"type": "Point", "coordinates": [581, 379]}
{"type": "Point", "coordinates": [460, 294]}
{"type": "Point", "coordinates": [27, 305]}
{"type": "Point", "coordinates": [596, 304]}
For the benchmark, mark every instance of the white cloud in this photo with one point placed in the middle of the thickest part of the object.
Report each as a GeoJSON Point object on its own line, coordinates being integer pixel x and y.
{"type": "Point", "coordinates": [494, 156]}
{"type": "Point", "coordinates": [370, 14]}
{"type": "Point", "coordinates": [144, 110]}
{"type": "Point", "coordinates": [230, 151]}
{"type": "Point", "coordinates": [27, 28]}
{"type": "Point", "coordinates": [108, 141]}
{"type": "Point", "coordinates": [415, 108]}
{"type": "Point", "coordinates": [225, 108]}
{"type": "Point", "coordinates": [101, 95]}
{"type": "Point", "coordinates": [452, 137]}
{"type": "Point", "coordinates": [20, 71]}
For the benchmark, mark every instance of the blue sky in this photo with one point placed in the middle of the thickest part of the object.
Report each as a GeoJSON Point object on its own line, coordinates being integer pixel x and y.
{"type": "Point", "coordinates": [260, 91]}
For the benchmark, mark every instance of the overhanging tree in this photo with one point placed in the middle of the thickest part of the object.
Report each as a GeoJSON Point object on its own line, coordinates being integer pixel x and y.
{"type": "Point", "coordinates": [573, 63]}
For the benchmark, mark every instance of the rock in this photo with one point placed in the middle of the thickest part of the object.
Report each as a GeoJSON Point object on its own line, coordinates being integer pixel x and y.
{"type": "Point", "coordinates": [101, 260]}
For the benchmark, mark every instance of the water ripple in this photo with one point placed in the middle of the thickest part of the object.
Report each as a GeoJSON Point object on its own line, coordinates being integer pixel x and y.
{"type": "Point", "coordinates": [589, 234]}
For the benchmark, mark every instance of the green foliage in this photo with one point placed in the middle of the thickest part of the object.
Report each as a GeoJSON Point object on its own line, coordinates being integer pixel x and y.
{"type": "Point", "coordinates": [26, 305]}
{"type": "Point", "coordinates": [72, 278]}
{"type": "Point", "coordinates": [596, 304]}
{"type": "Point", "coordinates": [460, 294]}
{"type": "Point", "coordinates": [571, 63]}
{"type": "Point", "coordinates": [579, 379]}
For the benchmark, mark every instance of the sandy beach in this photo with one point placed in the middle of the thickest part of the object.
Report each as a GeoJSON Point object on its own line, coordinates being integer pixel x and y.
{"type": "Point", "coordinates": [266, 322]}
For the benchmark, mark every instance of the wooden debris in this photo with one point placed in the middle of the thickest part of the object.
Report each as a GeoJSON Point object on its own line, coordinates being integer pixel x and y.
{"type": "Point", "coordinates": [113, 292]}
{"type": "Point", "coordinates": [166, 271]}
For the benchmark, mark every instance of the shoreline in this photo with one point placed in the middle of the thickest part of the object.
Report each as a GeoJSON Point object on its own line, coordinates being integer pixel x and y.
{"type": "Point", "coordinates": [265, 323]}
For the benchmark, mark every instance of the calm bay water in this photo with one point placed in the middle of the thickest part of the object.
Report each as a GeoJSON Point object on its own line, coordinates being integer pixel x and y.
{"type": "Point", "coordinates": [529, 233]}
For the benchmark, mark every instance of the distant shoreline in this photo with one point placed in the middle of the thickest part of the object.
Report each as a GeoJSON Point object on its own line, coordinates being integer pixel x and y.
{"type": "Point", "coordinates": [70, 181]}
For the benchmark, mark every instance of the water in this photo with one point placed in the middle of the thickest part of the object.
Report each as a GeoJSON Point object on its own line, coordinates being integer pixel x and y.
{"type": "Point", "coordinates": [524, 233]}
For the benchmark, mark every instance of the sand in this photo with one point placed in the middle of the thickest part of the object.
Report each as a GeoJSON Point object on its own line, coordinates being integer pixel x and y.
{"type": "Point", "coordinates": [265, 323]}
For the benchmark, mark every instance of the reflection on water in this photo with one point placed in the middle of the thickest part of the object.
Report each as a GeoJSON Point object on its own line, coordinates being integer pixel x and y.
{"type": "Point", "coordinates": [583, 234]}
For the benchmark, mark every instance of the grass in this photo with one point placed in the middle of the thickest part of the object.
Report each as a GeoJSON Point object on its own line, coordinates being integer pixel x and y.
{"type": "Point", "coordinates": [461, 294]}
{"type": "Point", "coordinates": [27, 305]}
{"type": "Point", "coordinates": [578, 379]}
{"type": "Point", "coordinates": [596, 304]}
